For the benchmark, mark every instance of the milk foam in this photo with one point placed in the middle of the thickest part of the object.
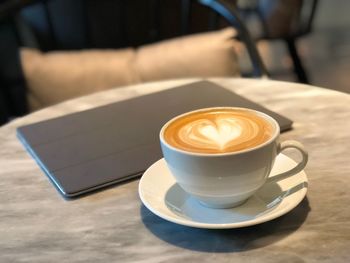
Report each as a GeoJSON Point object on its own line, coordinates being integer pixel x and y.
{"type": "Point", "coordinates": [218, 131]}
{"type": "Point", "coordinates": [216, 134]}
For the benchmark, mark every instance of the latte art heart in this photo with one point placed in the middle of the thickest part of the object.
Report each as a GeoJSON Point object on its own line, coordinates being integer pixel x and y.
{"type": "Point", "coordinates": [218, 134]}
{"type": "Point", "coordinates": [216, 131]}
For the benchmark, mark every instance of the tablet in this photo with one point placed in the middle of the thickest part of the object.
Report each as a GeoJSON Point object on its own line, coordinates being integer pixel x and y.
{"type": "Point", "coordinates": [95, 148]}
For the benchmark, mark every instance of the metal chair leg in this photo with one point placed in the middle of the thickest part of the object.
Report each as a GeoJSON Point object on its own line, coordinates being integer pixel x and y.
{"type": "Point", "coordinates": [228, 10]}
{"type": "Point", "coordinates": [299, 69]}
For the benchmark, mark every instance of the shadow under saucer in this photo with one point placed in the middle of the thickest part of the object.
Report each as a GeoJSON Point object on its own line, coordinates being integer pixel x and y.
{"type": "Point", "coordinates": [226, 240]}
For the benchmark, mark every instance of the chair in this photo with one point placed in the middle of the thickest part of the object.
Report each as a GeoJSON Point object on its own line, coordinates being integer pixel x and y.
{"type": "Point", "coordinates": [84, 24]}
{"type": "Point", "coordinates": [285, 20]}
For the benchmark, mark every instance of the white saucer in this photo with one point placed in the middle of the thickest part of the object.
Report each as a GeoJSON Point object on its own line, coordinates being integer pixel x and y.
{"type": "Point", "coordinates": [164, 197]}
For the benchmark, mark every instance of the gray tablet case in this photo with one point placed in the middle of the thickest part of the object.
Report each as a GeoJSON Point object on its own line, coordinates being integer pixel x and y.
{"type": "Point", "coordinates": [88, 150]}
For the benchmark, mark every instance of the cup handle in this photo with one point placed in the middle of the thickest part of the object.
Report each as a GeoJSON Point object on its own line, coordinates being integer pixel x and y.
{"type": "Point", "coordinates": [300, 166]}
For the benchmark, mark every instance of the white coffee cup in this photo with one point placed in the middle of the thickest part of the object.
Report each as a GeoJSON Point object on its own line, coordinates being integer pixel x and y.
{"type": "Point", "coordinates": [224, 180]}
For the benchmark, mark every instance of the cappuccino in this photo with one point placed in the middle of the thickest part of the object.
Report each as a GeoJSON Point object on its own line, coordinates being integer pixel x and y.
{"type": "Point", "coordinates": [218, 130]}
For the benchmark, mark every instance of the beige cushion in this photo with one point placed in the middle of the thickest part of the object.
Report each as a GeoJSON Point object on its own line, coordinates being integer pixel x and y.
{"type": "Point", "coordinates": [205, 55]}
{"type": "Point", "coordinates": [56, 76]}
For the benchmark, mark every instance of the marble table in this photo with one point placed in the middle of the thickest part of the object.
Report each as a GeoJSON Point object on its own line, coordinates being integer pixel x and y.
{"type": "Point", "coordinates": [38, 225]}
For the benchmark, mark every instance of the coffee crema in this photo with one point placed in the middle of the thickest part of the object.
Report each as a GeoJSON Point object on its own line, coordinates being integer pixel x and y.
{"type": "Point", "coordinates": [218, 131]}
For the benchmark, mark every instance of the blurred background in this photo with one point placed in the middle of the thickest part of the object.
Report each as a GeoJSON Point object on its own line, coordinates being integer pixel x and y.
{"type": "Point", "coordinates": [325, 51]}
{"type": "Point", "coordinates": [313, 34]}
